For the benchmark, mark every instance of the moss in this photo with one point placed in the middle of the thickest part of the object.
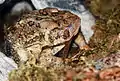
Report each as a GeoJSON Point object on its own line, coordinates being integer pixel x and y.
{"type": "Point", "coordinates": [100, 7]}
{"type": "Point", "coordinates": [32, 73]}
{"type": "Point", "coordinates": [107, 29]}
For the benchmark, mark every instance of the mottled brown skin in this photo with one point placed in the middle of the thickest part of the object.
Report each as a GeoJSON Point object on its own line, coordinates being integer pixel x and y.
{"type": "Point", "coordinates": [45, 28]}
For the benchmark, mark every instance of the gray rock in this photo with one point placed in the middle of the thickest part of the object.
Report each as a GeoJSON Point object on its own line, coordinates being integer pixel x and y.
{"type": "Point", "coordinates": [6, 65]}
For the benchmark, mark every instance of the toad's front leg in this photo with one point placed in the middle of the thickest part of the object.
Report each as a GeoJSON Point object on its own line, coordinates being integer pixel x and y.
{"type": "Point", "coordinates": [66, 49]}
{"type": "Point", "coordinates": [80, 41]}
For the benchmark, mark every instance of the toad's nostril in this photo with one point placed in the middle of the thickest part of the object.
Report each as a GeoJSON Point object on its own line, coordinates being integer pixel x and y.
{"type": "Point", "coordinates": [66, 34]}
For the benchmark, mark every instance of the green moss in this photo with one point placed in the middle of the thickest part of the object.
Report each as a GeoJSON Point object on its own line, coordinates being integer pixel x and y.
{"type": "Point", "coordinates": [32, 73]}
{"type": "Point", "coordinates": [105, 39]}
{"type": "Point", "coordinates": [100, 7]}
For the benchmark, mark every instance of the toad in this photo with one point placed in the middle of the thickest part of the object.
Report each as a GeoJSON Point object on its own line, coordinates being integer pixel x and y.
{"type": "Point", "coordinates": [45, 28]}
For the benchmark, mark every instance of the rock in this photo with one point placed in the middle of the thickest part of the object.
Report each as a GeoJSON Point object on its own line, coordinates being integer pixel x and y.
{"type": "Point", "coordinates": [6, 65]}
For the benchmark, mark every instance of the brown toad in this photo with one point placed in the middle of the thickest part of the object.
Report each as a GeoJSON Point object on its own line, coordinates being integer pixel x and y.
{"type": "Point", "coordinates": [45, 28]}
